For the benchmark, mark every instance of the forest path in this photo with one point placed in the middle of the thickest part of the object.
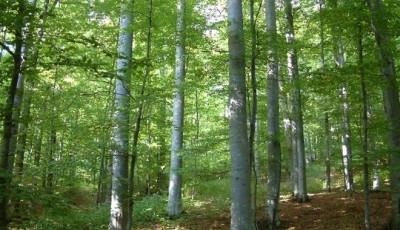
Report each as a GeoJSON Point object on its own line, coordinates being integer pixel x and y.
{"type": "Point", "coordinates": [324, 211]}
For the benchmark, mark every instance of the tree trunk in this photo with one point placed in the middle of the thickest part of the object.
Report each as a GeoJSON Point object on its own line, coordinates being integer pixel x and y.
{"type": "Point", "coordinates": [28, 71]}
{"type": "Point", "coordinates": [274, 148]}
{"type": "Point", "coordinates": [175, 176]}
{"type": "Point", "coordinates": [241, 212]}
{"type": "Point", "coordinates": [139, 117]}
{"type": "Point", "coordinates": [391, 101]}
{"type": "Point", "coordinates": [9, 122]}
{"type": "Point", "coordinates": [253, 111]}
{"type": "Point", "coordinates": [119, 214]}
{"type": "Point", "coordinates": [50, 159]}
{"type": "Point", "coordinates": [327, 185]}
{"type": "Point", "coordinates": [346, 135]}
{"type": "Point", "coordinates": [346, 143]}
{"type": "Point", "coordinates": [367, 218]}
{"type": "Point", "coordinates": [293, 71]}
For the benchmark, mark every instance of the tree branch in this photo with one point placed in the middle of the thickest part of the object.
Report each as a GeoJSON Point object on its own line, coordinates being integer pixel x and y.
{"type": "Point", "coordinates": [5, 47]}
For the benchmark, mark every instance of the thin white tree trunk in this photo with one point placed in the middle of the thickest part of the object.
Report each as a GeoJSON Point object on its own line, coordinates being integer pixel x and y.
{"type": "Point", "coordinates": [119, 214]}
{"type": "Point", "coordinates": [175, 176]}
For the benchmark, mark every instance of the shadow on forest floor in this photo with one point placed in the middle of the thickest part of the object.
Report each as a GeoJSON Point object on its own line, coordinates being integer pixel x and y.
{"type": "Point", "coordinates": [324, 211]}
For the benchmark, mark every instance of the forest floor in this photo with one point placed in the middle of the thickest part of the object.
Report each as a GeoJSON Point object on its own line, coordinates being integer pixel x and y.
{"type": "Point", "coordinates": [326, 211]}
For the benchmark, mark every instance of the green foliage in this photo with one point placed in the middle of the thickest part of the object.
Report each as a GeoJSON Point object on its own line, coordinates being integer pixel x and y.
{"type": "Point", "coordinates": [150, 209]}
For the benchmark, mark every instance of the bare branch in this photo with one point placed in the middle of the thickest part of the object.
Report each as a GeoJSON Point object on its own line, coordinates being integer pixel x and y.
{"type": "Point", "coordinates": [5, 47]}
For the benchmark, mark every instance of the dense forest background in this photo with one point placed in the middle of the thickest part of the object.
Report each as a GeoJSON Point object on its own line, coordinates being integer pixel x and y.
{"type": "Point", "coordinates": [162, 114]}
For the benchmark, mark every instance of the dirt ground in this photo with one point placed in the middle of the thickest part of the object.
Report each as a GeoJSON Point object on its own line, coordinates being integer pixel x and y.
{"type": "Point", "coordinates": [324, 211]}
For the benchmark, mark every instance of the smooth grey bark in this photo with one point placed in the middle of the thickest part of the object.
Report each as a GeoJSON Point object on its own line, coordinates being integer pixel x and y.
{"type": "Point", "coordinates": [297, 114]}
{"type": "Point", "coordinates": [119, 214]}
{"type": "Point", "coordinates": [391, 100]}
{"type": "Point", "coordinates": [274, 148]}
{"type": "Point", "coordinates": [327, 184]}
{"type": "Point", "coordinates": [175, 176]}
{"type": "Point", "coordinates": [365, 128]}
{"type": "Point", "coordinates": [241, 208]}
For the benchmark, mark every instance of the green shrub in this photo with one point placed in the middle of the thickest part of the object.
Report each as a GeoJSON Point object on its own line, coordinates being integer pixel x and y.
{"type": "Point", "coordinates": [150, 209]}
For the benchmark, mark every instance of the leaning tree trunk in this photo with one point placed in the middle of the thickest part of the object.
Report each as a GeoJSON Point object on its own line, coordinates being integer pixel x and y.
{"type": "Point", "coordinates": [139, 116]}
{"type": "Point", "coordinates": [391, 101]}
{"type": "Point", "coordinates": [293, 72]}
{"type": "Point", "coordinates": [241, 212]}
{"type": "Point", "coordinates": [274, 148]}
{"type": "Point", "coordinates": [119, 214]}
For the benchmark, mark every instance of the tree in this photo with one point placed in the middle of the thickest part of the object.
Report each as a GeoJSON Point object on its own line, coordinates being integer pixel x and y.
{"type": "Point", "coordinates": [119, 214]}
{"type": "Point", "coordinates": [391, 100]}
{"type": "Point", "coordinates": [339, 56]}
{"type": "Point", "coordinates": [175, 177]}
{"type": "Point", "coordinates": [11, 114]}
{"type": "Point", "coordinates": [274, 148]}
{"type": "Point", "coordinates": [298, 137]}
{"type": "Point", "coordinates": [360, 51]}
{"type": "Point", "coordinates": [241, 212]}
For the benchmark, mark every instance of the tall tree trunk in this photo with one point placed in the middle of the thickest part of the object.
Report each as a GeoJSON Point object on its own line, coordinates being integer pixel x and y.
{"type": "Point", "coordinates": [119, 214]}
{"type": "Point", "coordinates": [346, 135]}
{"type": "Point", "coordinates": [175, 176]}
{"type": "Point", "coordinates": [367, 218]}
{"type": "Point", "coordinates": [28, 71]}
{"type": "Point", "coordinates": [274, 148]}
{"type": "Point", "coordinates": [139, 116]}
{"type": "Point", "coordinates": [241, 212]}
{"type": "Point", "coordinates": [253, 111]}
{"type": "Point", "coordinates": [391, 100]}
{"type": "Point", "coordinates": [10, 122]}
{"type": "Point", "coordinates": [293, 71]}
